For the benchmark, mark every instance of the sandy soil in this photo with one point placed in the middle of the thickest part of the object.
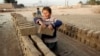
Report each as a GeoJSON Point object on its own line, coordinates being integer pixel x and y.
{"type": "Point", "coordinates": [9, 45]}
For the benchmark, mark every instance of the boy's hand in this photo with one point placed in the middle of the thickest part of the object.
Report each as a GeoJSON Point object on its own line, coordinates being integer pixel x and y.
{"type": "Point", "coordinates": [50, 27]}
{"type": "Point", "coordinates": [42, 24]}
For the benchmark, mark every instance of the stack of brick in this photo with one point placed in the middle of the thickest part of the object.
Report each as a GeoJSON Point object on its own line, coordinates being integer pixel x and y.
{"type": "Point", "coordinates": [31, 44]}
{"type": "Point", "coordinates": [22, 25]}
{"type": "Point", "coordinates": [84, 35]}
{"type": "Point", "coordinates": [6, 7]}
{"type": "Point", "coordinates": [45, 31]}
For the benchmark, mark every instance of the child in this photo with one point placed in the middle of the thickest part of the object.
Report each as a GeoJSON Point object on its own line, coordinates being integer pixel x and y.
{"type": "Point", "coordinates": [48, 21]}
{"type": "Point", "coordinates": [38, 11]}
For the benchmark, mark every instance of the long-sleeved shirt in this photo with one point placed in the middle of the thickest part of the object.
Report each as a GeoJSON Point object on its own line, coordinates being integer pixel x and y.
{"type": "Point", "coordinates": [55, 24]}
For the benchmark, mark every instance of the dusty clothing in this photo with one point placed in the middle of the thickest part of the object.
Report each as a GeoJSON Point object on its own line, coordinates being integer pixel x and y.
{"type": "Point", "coordinates": [55, 24]}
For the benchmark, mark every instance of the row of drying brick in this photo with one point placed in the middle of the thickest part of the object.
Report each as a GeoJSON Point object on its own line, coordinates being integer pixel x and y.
{"type": "Point", "coordinates": [21, 23]}
{"type": "Point", "coordinates": [84, 35]}
{"type": "Point", "coordinates": [31, 44]}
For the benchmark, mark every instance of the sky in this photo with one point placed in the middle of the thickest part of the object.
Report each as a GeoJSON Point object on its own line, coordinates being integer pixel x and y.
{"type": "Point", "coordinates": [47, 2]}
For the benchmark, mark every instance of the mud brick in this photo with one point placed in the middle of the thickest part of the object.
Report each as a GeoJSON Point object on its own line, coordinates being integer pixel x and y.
{"type": "Point", "coordinates": [75, 31]}
{"type": "Point", "coordinates": [84, 35]}
{"type": "Point", "coordinates": [98, 47]}
{"type": "Point", "coordinates": [79, 33]}
{"type": "Point", "coordinates": [36, 38]}
{"type": "Point", "coordinates": [45, 31]}
{"type": "Point", "coordinates": [20, 19]}
{"type": "Point", "coordinates": [23, 25]}
{"type": "Point", "coordinates": [83, 40]}
{"type": "Point", "coordinates": [25, 31]}
{"type": "Point", "coordinates": [94, 39]}
{"type": "Point", "coordinates": [66, 25]}
{"type": "Point", "coordinates": [26, 24]}
{"type": "Point", "coordinates": [89, 36]}
{"type": "Point", "coordinates": [84, 32]}
{"type": "Point", "coordinates": [62, 27]}
{"type": "Point", "coordinates": [43, 48]}
{"type": "Point", "coordinates": [29, 48]}
{"type": "Point", "coordinates": [96, 35]}
{"type": "Point", "coordinates": [13, 14]}
{"type": "Point", "coordinates": [6, 6]}
{"type": "Point", "coordinates": [21, 22]}
{"type": "Point", "coordinates": [93, 44]}
{"type": "Point", "coordinates": [16, 15]}
{"type": "Point", "coordinates": [87, 42]}
{"type": "Point", "coordinates": [99, 39]}
{"type": "Point", "coordinates": [89, 33]}
{"type": "Point", "coordinates": [70, 27]}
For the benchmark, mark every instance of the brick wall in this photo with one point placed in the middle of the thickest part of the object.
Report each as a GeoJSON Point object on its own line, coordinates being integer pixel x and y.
{"type": "Point", "coordinates": [6, 6]}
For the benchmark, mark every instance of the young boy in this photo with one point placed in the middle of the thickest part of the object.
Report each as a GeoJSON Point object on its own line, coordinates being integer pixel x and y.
{"type": "Point", "coordinates": [52, 23]}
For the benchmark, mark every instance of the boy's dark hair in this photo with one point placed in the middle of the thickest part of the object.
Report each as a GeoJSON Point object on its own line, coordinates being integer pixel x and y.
{"type": "Point", "coordinates": [48, 9]}
{"type": "Point", "coordinates": [37, 8]}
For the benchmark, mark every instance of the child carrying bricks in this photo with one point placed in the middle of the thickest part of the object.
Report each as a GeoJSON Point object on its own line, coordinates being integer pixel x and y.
{"type": "Point", "coordinates": [52, 24]}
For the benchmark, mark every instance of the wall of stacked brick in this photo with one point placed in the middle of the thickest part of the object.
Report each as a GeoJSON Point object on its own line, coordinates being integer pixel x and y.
{"type": "Point", "coordinates": [30, 43]}
{"type": "Point", "coordinates": [84, 35]}
{"type": "Point", "coordinates": [6, 6]}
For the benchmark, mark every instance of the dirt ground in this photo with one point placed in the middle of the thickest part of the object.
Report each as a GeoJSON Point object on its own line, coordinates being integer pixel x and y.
{"type": "Point", "coordinates": [9, 44]}
{"type": "Point", "coordinates": [67, 46]}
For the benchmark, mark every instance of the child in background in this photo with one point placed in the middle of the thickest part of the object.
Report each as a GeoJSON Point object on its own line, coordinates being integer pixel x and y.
{"type": "Point", "coordinates": [38, 11]}
{"type": "Point", "coordinates": [52, 23]}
